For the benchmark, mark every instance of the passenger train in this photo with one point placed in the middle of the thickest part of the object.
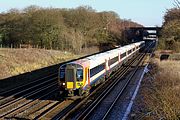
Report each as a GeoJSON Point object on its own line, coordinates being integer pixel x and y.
{"type": "Point", "coordinates": [77, 77]}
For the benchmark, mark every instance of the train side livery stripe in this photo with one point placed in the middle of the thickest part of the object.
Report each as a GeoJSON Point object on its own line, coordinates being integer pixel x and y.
{"type": "Point", "coordinates": [114, 64]}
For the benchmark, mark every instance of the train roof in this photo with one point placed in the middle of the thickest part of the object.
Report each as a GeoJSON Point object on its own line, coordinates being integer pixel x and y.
{"type": "Point", "coordinates": [98, 59]}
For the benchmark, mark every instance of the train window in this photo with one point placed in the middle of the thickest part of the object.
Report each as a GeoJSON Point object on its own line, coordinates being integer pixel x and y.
{"type": "Point", "coordinates": [123, 55]}
{"type": "Point", "coordinates": [133, 49]}
{"type": "Point", "coordinates": [62, 72]}
{"type": "Point", "coordinates": [79, 75]}
{"type": "Point", "coordinates": [129, 51]}
{"type": "Point", "coordinates": [97, 69]}
{"type": "Point", "coordinates": [111, 61]}
{"type": "Point", "coordinates": [141, 45]}
{"type": "Point", "coordinates": [69, 76]}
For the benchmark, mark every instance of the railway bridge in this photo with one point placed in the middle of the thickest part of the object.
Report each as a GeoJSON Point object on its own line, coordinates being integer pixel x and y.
{"type": "Point", "coordinates": [143, 33]}
{"type": "Point", "coordinates": [147, 34]}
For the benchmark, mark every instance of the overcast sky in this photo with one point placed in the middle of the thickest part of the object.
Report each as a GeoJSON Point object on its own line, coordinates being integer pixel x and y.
{"type": "Point", "coordinates": [146, 12]}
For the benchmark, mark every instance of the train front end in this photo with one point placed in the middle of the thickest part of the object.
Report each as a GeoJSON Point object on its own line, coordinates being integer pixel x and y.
{"type": "Point", "coordinates": [71, 77]}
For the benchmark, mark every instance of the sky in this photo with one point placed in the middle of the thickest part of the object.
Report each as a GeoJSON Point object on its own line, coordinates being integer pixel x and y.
{"type": "Point", "coordinates": [145, 12]}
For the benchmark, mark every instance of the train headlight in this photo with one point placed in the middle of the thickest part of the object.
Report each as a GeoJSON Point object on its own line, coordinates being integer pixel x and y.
{"type": "Point", "coordinates": [63, 83]}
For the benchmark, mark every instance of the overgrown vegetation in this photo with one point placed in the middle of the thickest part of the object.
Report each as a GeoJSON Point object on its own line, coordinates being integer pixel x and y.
{"type": "Point", "coordinates": [171, 29]}
{"type": "Point", "coordinates": [62, 29]}
{"type": "Point", "coordinates": [162, 100]}
{"type": "Point", "coordinates": [159, 95]}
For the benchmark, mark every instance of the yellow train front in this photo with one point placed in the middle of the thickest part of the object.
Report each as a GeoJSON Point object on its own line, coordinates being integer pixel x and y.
{"type": "Point", "coordinates": [72, 78]}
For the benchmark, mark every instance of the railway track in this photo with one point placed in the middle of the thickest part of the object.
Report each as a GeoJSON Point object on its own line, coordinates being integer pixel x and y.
{"type": "Point", "coordinates": [125, 84]}
{"type": "Point", "coordinates": [59, 110]}
{"type": "Point", "coordinates": [35, 100]}
{"type": "Point", "coordinates": [33, 107]}
{"type": "Point", "coordinates": [23, 93]}
{"type": "Point", "coordinates": [28, 98]}
{"type": "Point", "coordinates": [25, 86]}
{"type": "Point", "coordinates": [24, 101]}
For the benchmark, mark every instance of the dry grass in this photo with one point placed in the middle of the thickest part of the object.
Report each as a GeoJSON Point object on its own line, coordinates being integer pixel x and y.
{"type": "Point", "coordinates": [17, 61]}
{"type": "Point", "coordinates": [162, 97]}
{"type": "Point", "coordinates": [174, 56]}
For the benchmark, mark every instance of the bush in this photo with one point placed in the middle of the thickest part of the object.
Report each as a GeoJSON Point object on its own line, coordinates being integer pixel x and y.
{"type": "Point", "coordinates": [163, 98]}
{"type": "Point", "coordinates": [171, 31]}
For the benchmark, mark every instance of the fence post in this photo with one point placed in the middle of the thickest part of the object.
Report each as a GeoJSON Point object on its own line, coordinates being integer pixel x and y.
{"type": "Point", "coordinates": [1, 45]}
{"type": "Point", "coordinates": [11, 46]}
{"type": "Point", "coordinates": [20, 45]}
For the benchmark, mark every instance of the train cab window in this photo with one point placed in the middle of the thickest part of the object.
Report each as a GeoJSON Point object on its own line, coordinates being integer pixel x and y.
{"type": "Point", "coordinates": [69, 76]}
{"type": "Point", "coordinates": [142, 45]}
{"type": "Point", "coordinates": [79, 75]}
{"type": "Point", "coordinates": [62, 72]}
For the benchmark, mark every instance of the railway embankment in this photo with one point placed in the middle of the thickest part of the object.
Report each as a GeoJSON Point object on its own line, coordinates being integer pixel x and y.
{"type": "Point", "coordinates": [158, 97]}
{"type": "Point", "coordinates": [18, 61]}
{"type": "Point", "coordinates": [19, 66]}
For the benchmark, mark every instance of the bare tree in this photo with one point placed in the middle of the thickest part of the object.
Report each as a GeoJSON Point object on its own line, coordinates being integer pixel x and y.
{"type": "Point", "coordinates": [176, 3]}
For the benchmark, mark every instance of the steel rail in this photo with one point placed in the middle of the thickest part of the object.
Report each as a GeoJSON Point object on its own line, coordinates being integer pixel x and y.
{"type": "Point", "coordinates": [122, 90]}
{"type": "Point", "coordinates": [9, 99]}
{"type": "Point", "coordinates": [25, 107]}
{"type": "Point", "coordinates": [24, 100]}
{"type": "Point", "coordinates": [10, 91]}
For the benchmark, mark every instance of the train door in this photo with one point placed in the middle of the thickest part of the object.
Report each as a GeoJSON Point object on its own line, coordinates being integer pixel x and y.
{"type": "Point", "coordinates": [119, 56]}
{"type": "Point", "coordinates": [87, 76]}
{"type": "Point", "coordinates": [106, 68]}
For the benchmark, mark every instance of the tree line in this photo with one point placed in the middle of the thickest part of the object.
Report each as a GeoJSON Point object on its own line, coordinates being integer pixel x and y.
{"type": "Point", "coordinates": [171, 29]}
{"type": "Point", "coordinates": [62, 29]}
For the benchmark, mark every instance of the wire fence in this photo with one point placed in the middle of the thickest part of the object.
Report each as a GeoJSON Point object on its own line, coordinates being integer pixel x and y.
{"type": "Point", "coordinates": [86, 50]}
{"type": "Point", "coordinates": [28, 46]}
